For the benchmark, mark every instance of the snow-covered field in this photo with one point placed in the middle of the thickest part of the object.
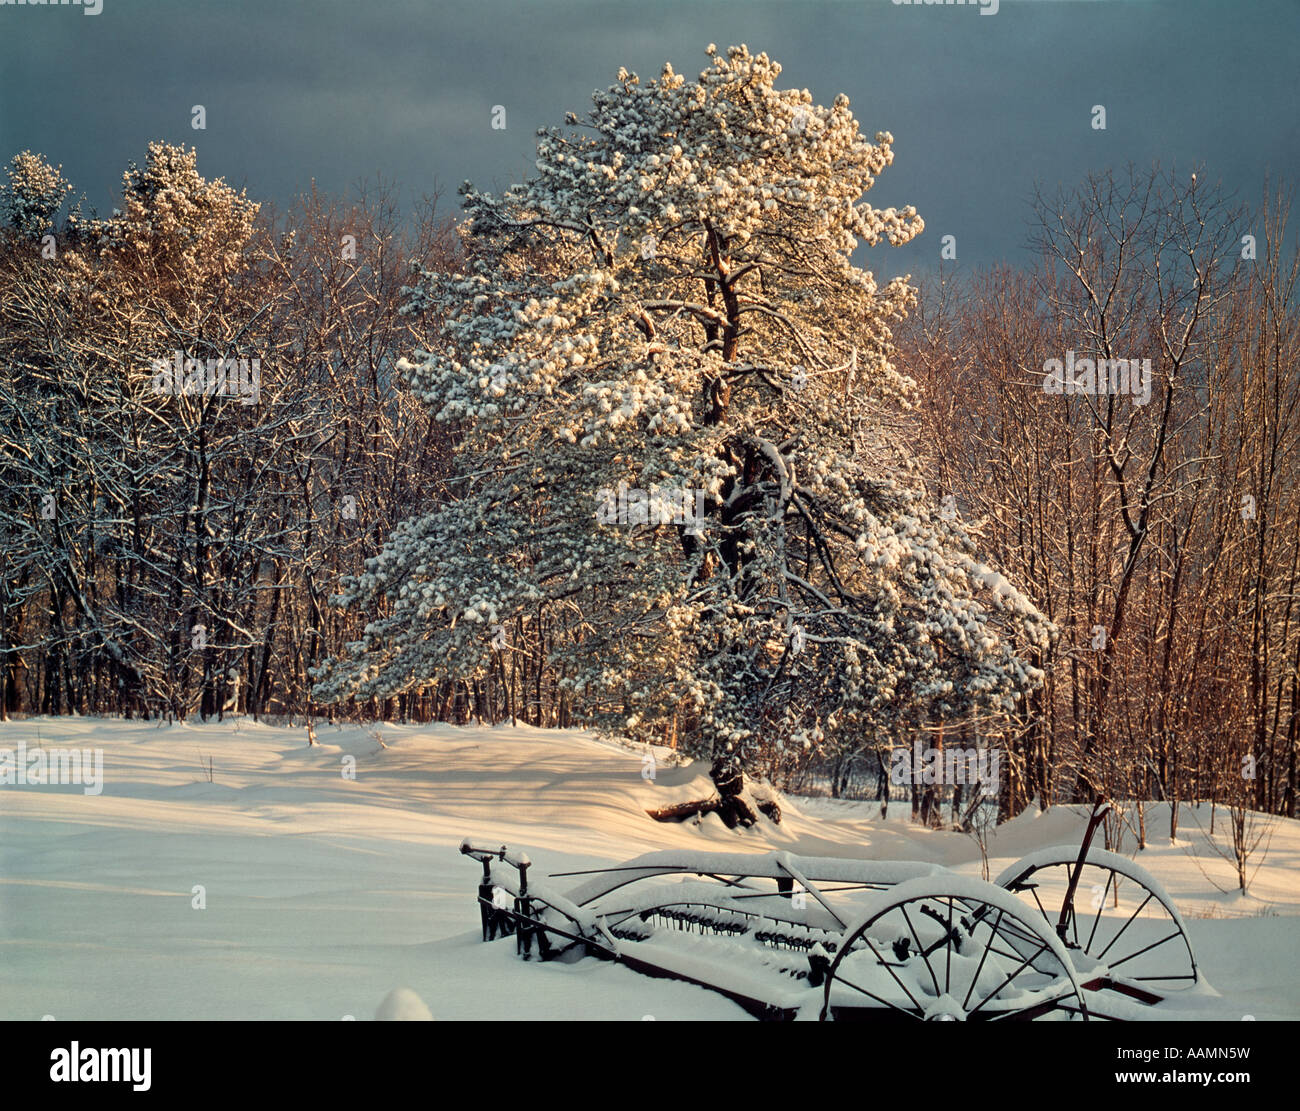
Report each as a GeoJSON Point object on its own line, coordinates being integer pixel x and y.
{"type": "Point", "coordinates": [324, 893]}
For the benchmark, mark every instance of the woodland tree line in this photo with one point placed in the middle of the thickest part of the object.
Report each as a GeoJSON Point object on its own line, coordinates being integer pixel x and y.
{"type": "Point", "coordinates": [175, 556]}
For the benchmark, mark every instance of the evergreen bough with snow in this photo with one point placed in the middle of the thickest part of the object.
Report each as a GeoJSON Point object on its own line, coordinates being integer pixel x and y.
{"type": "Point", "coordinates": [670, 303]}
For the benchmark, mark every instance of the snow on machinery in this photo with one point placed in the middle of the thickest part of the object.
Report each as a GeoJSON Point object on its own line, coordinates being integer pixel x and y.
{"type": "Point", "coordinates": [786, 936]}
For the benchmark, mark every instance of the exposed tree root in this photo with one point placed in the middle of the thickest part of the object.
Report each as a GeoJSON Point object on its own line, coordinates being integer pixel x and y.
{"type": "Point", "coordinates": [733, 803]}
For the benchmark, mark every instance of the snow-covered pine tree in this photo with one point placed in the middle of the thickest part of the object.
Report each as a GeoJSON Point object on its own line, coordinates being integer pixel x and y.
{"type": "Point", "coordinates": [33, 192]}
{"type": "Point", "coordinates": [671, 304]}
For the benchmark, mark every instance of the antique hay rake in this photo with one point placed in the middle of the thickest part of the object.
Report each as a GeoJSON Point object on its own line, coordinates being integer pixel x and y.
{"type": "Point", "coordinates": [784, 935]}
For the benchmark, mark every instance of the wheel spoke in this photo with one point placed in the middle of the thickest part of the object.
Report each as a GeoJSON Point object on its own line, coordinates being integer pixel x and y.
{"type": "Point", "coordinates": [1016, 931]}
{"type": "Point", "coordinates": [1012, 932]}
{"type": "Point", "coordinates": [1126, 925]}
{"type": "Point", "coordinates": [1147, 949]}
{"type": "Point", "coordinates": [894, 974]}
{"type": "Point", "coordinates": [879, 999]}
{"type": "Point", "coordinates": [947, 973]}
{"type": "Point", "coordinates": [920, 949]}
{"type": "Point", "coordinates": [984, 956]}
{"type": "Point", "coordinates": [1010, 954]}
{"type": "Point", "coordinates": [1041, 1005]}
{"type": "Point", "coordinates": [1105, 891]}
{"type": "Point", "coordinates": [1011, 976]}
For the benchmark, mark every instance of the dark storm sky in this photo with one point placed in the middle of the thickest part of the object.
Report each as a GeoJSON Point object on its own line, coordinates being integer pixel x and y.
{"type": "Point", "coordinates": [981, 106]}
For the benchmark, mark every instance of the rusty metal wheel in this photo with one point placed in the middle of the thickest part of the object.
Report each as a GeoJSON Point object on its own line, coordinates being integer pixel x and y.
{"type": "Point", "coordinates": [950, 948]}
{"type": "Point", "coordinates": [1120, 925]}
